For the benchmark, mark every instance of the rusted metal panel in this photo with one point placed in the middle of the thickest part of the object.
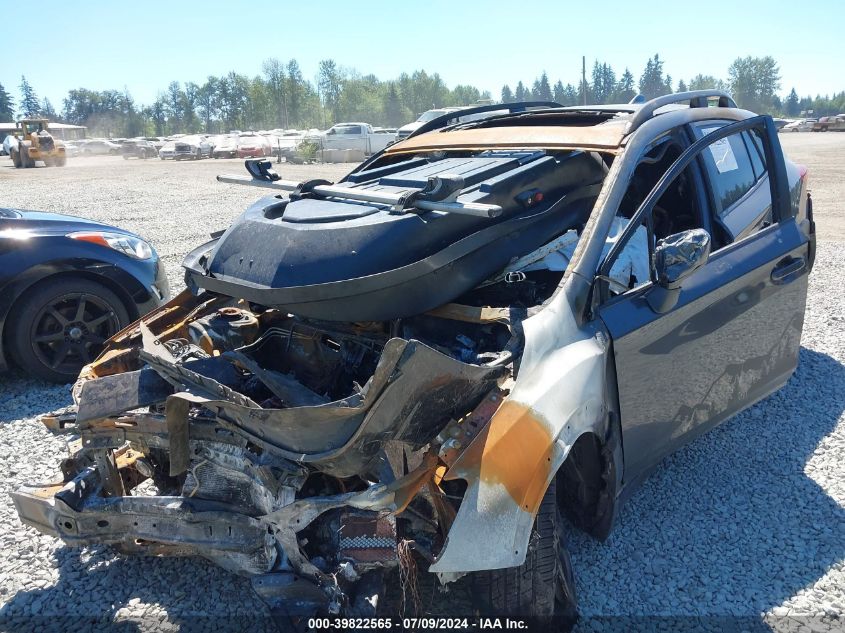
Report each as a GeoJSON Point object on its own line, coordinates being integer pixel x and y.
{"type": "Point", "coordinates": [176, 414]}
{"type": "Point", "coordinates": [606, 137]}
{"type": "Point", "coordinates": [558, 395]}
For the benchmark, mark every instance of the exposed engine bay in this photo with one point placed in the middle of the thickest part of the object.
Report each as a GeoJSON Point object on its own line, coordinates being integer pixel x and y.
{"type": "Point", "coordinates": [314, 454]}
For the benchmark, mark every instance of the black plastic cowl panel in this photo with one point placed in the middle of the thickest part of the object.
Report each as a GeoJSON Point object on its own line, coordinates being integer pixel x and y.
{"type": "Point", "coordinates": [349, 261]}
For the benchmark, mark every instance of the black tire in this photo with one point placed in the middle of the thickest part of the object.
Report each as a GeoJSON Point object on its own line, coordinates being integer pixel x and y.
{"type": "Point", "coordinates": [544, 585]}
{"type": "Point", "coordinates": [48, 336]}
{"type": "Point", "coordinates": [16, 159]}
{"type": "Point", "coordinates": [26, 161]}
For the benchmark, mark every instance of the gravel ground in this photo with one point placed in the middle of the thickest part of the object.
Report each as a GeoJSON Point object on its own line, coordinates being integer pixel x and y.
{"type": "Point", "coordinates": [746, 523]}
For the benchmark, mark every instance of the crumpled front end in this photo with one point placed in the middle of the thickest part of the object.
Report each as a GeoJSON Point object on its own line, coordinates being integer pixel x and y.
{"type": "Point", "coordinates": [303, 454]}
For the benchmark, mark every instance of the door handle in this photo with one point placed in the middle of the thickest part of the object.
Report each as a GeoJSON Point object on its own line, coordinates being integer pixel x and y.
{"type": "Point", "coordinates": [788, 270]}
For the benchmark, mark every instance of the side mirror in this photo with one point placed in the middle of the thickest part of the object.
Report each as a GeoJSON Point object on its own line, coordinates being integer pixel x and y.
{"type": "Point", "coordinates": [675, 258]}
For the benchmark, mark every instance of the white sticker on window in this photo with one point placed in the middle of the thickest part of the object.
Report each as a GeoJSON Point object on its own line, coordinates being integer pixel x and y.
{"type": "Point", "coordinates": [722, 152]}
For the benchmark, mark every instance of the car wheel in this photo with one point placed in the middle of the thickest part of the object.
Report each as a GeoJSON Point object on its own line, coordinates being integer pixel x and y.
{"type": "Point", "coordinates": [16, 158]}
{"type": "Point", "coordinates": [544, 585]}
{"type": "Point", "coordinates": [61, 325]}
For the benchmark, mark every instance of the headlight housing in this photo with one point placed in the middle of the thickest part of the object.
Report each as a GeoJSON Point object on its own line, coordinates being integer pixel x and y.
{"type": "Point", "coordinates": [129, 245]}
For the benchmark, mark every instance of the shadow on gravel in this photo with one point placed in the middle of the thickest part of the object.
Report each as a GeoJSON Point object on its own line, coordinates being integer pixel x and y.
{"type": "Point", "coordinates": [24, 397]}
{"type": "Point", "coordinates": [731, 526]}
{"type": "Point", "coordinates": [100, 591]}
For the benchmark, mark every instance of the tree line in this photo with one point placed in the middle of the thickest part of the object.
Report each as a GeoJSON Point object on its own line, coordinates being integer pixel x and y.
{"type": "Point", "coordinates": [281, 97]}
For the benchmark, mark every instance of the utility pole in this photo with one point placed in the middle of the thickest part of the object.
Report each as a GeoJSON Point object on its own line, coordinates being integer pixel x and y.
{"type": "Point", "coordinates": [584, 77]}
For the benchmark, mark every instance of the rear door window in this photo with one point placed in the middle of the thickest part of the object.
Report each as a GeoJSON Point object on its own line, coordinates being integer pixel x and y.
{"type": "Point", "coordinates": [755, 149]}
{"type": "Point", "coordinates": [729, 168]}
{"type": "Point", "coordinates": [735, 169]}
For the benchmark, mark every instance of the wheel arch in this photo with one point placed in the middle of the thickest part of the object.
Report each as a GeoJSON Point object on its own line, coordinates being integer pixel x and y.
{"type": "Point", "coordinates": [560, 394]}
{"type": "Point", "coordinates": [588, 481]}
{"type": "Point", "coordinates": [29, 281]}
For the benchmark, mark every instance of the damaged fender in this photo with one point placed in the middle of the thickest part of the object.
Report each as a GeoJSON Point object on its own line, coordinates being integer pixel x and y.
{"type": "Point", "coordinates": [558, 395]}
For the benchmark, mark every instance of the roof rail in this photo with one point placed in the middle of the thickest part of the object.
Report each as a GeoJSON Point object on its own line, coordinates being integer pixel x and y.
{"type": "Point", "coordinates": [449, 117]}
{"type": "Point", "coordinates": [696, 98]}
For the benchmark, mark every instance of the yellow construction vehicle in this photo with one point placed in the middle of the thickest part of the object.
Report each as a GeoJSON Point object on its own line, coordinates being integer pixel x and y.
{"type": "Point", "coordinates": [35, 143]}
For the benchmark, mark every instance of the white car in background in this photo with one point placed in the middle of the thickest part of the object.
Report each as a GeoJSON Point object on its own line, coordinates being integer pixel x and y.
{"type": "Point", "coordinates": [225, 146]}
{"type": "Point", "coordinates": [354, 136]}
{"type": "Point", "coordinates": [429, 115]}
{"type": "Point", "coordinates": [425, 117]}
{"type": "Point", "coordinates": [71, 148]}
{"type": "Point", "coordinates": [802, 125]}
{"type": "Point", "coordinates": [99, 147]}
{"type": "Point", "coordinates": [186, 148]}
{"type": "Point", "coordinates": [9, 142]}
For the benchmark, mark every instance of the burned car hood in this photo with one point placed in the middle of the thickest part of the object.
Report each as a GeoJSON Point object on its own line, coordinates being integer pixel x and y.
{"type": "Point", "coordinates": [341, 259]}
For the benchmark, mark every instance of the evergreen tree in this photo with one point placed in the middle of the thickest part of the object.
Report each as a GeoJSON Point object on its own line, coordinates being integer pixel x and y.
{"type": "Point", "coordinates": [570, 95]}
{"type": "Point", "coordinates": [507, 95]}
{"type": "Point", "coordinates": [792, 107]}
{"type": "Point", "coordinates": [625, 88]}
{"type": "Point", "coordinates": [521, 93]}
{"type": "Point", "coordinates": [47, 110]}
{"type": "Point", "coordinates": [652, 83]}
{"type": "Point", "coordinates": [29, 100]}
{"type": "Point", "coordinates": [682, 87]}
{"type": "Point", "coordinates": [7, 106]}
{"type": "Point", "coordinates": [559, 92]}
{"type": "Point", "coordinates": [604, 83]}
{"type": "Point", "coordinates": [542, 90]}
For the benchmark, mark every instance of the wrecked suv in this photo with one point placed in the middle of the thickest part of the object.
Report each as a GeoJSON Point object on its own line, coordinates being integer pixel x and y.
{"type": "Point", "coordinates": [486, 327]}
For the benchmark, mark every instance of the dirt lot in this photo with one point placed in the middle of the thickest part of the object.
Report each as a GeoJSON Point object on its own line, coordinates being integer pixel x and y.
{"type": "Point", "coordinates": [175, 205]}
{"type": "Point", "coordinates": [746, 521]}
{"type": "Point", "coordinates": [824, 156]}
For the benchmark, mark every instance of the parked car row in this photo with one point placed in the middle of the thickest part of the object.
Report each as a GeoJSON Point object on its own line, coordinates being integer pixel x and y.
{"type": "Point", "coordinates": [822, 124]}
{"type": "Point", "coordinates": [235, 144]}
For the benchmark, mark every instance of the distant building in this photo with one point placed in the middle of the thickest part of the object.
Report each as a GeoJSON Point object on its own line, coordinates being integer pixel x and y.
{"type": "Point", "coordinates": [63, 131]}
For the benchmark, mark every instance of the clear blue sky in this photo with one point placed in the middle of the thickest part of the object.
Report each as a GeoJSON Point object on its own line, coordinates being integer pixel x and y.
{"type": "Point", "coordinates": [143, 46]}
